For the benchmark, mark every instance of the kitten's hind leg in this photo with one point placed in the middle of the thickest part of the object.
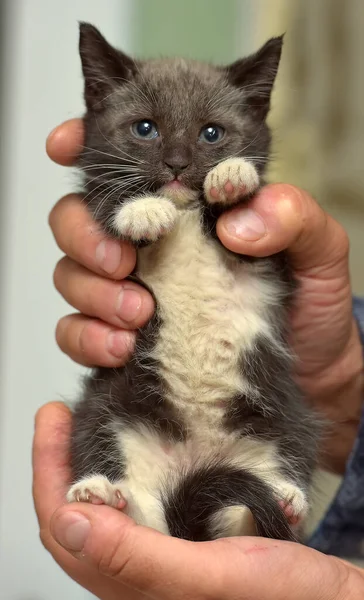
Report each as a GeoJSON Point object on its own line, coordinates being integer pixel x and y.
{"type": "Point", "coordinates": [230, 181]}
{"type": "Point", "coordinates": [146, 218]}
{"type": "Point", "coordinates": [97, 489]}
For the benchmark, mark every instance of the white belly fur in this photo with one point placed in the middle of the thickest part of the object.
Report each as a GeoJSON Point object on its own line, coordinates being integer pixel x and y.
{"type": "Point", "coordinates": [212, 308]}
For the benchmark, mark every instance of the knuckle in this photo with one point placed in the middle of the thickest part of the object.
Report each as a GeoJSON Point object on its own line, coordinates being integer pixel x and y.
{"type": "Point", "coordinates": [348, 581]}
{"type": "Point", "coordinates": [87, 344]}
{"type": "Point", "coordinates": [63, 333]}
{"type": "Point", "coordinates": [59, 272]}
{"type": "Point", "coordinates": [292, 200]}
{"type": "Point", "coordinates": [45, 538]}
{"type": "Point", "coordinates": [94, 296]}
{"type": "Point", "coordinates": [53, 215]}
{"type": "Point", "coordinates": [112, 561]}
{"type": "Point", "coordinates": [39, 416]}
{"type": "Point", "coordinates": [70, 244]}
{"type": "Point", "coordinates": [343, 240]}
{"type": "Point", "coordinates": [57, 211]}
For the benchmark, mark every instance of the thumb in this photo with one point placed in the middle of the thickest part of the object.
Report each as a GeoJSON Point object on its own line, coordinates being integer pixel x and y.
{"type": "Point", "coordinates": [283, 217]}
{"type": "Point", "coordinates": [140, 558]}
{"type": "Point", "coordinates": [163, 567]}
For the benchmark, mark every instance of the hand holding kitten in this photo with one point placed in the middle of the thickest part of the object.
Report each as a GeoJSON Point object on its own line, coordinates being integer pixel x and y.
{"type": "Point", "coordinates": [279, 217]}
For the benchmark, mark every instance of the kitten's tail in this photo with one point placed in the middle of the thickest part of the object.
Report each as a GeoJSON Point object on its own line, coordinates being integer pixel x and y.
{"type": "Point", "coordinates": [191, 505]}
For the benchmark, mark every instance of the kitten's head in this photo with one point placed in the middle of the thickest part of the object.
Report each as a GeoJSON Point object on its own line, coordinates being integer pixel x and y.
{"type": "Point", "coordinates": [165, 123]}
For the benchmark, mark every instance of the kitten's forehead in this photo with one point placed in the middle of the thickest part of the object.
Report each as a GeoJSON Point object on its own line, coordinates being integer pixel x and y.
{"type": "Point", "coordinates": [178, 88]}
{"type": "Point", "coordinates": [190, 71]}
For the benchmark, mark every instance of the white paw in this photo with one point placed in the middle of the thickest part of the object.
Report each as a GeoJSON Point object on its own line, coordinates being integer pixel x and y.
{"type": "Point", "coordinates": [146, 218]}
{"type": "Point", "coordinates": [97, 489]}
{"type": "Point", "coordinates": [230, 181]}
{"type": "Point", "coordinates": [293, 501]}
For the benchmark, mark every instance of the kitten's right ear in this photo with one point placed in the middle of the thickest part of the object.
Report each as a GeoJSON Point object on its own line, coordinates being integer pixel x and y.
{"type": "Point", "coordinates": [103, 66]}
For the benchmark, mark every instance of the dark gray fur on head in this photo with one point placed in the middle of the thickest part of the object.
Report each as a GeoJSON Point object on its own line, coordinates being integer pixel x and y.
{"type": "Point", "coordinates": [182, 96]}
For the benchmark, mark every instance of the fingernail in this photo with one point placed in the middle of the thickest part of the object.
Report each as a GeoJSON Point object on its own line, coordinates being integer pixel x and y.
{"type": "Point", "coordinates": [245, 224]}
{"type": "Point", "coordinates": [108, 256]}
{"type": "Point", "coordinates": [119, 343]}
{"type": "Point", "coordinates": [128, 305]}
{"type": "Point", "coordinates": [71, 531]}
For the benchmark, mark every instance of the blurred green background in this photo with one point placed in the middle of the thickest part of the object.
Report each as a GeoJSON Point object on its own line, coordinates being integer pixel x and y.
{"type": "Point", "coordinates": [201, 29]}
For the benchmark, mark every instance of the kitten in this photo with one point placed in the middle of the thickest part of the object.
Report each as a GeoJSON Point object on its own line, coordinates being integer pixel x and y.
{"type": "Point", "coordinates": [203, 433]}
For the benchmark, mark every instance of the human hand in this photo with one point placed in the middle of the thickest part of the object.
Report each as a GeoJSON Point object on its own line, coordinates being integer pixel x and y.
{"type": "Point", "coordinates": [105, 552]}
{"type": "Point", "coordinates": [91, 275]}
{"type": "Point", "coordinates": [324, 334]}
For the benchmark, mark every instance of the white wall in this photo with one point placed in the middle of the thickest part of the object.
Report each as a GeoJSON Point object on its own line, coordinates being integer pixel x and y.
{"type": "Point", "coordinates": [42, 87]}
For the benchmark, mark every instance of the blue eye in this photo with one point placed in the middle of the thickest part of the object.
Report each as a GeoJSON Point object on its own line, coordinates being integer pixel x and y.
{"type": "Point", "coordinates": [211, 134]}
{"type": "Point", "coordinates": [145, 129]}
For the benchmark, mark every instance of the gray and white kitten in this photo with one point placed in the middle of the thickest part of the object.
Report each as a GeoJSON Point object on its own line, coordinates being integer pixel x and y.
{"type": "Point", "coordinates": [203, 433]}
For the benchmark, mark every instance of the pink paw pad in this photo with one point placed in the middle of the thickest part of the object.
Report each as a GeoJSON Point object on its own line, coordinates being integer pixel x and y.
{"type": "Point", "coordinates": [229, 188]}
{"type": "Point", "coordinates": [233, 192]}
{"type": "Point", "coordinates": [214, 193]}
{"type": "Point", "coordinates": [288, 510]}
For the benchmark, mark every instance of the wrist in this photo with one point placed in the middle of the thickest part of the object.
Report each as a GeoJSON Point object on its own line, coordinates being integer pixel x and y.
{"type": "Point", "coordinates": [350, 579]}
{"type": "Point", "coordinates": [338, 394]}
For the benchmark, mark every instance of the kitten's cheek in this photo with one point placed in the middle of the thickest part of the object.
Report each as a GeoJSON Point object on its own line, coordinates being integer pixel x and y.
{"type": "Point", "coordinates": [90, 342]}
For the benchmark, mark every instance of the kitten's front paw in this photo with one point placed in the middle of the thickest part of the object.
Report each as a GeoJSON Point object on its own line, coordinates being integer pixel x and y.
{"type": "Point", "coordinates": [293, 502]}
{"type": "Point", "coordinates": [230, 181]}
{"type": "Point", "coordinates": [97, 490]}
{"type": "Point", "coordinates": [146, 218]}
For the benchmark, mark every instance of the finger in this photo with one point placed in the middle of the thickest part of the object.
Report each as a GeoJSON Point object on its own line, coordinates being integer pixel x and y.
{"type": "Point", "coordinates": [50, 459]}
{"type": "Point", "coordinates": [90, 342]}
{"type": "Point", "coordinates": [284, 217]}
{"type": "Point", "coordinates": [65, 141]}
{"type": "Point", "coordinates": [140, 558]}
{"type": "Point", "coordinates": [125, 304]}
{"type": "Point", "coordinates": [165, 567]}
{"type": "Point", "coordinates": [51, 477]}
{"type": "Point", "coordinates": [82, 240]}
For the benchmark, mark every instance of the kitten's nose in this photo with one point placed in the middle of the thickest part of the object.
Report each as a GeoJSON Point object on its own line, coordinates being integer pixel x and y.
{"type": "Point", "coordinates": [177, 160]}
{"type": "Point", "coordinates": [176, 168]}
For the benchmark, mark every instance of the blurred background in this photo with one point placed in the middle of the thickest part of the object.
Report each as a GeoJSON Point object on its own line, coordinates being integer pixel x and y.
{"type": "Point", "coordinates": [318, 122]}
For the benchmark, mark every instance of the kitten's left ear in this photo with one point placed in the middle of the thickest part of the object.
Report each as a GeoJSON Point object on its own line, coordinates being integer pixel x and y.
{"type": "Point", "coordinates": [255, 75]}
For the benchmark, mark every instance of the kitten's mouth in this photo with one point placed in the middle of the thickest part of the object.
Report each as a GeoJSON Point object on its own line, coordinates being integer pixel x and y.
{"type": "Point", "coordinates": [179, 193]}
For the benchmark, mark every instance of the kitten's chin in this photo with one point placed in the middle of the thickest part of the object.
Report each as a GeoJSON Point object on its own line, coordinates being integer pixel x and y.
{"type": "Point", "coordinates": [180, 194]}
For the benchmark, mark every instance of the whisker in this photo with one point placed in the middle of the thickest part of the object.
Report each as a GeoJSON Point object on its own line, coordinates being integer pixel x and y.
{"type": "Point", "coordinates": [115, 189]}
{"type": "Point", "coordinates": [110, 166]}
{"type": "Point", "coordinates": [114, 185]}
{"type": "Point", "coordinates": [134, 159]}
{"type": "Point", "coordinates": [106, 179]}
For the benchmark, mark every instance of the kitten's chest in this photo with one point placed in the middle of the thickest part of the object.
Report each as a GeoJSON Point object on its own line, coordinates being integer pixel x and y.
{"type": "Point", "coordinates": [212, 307]}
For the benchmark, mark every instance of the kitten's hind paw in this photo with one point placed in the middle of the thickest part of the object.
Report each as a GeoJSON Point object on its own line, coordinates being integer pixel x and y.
{"type": "Point", "coordinates": [293, 502]}
{"type": "Point", "coordinates": [97, 490]}
{"type": "Point", "coordinates": [145, 219]}
{"type": "Point", "coordinates": [230, 181]}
